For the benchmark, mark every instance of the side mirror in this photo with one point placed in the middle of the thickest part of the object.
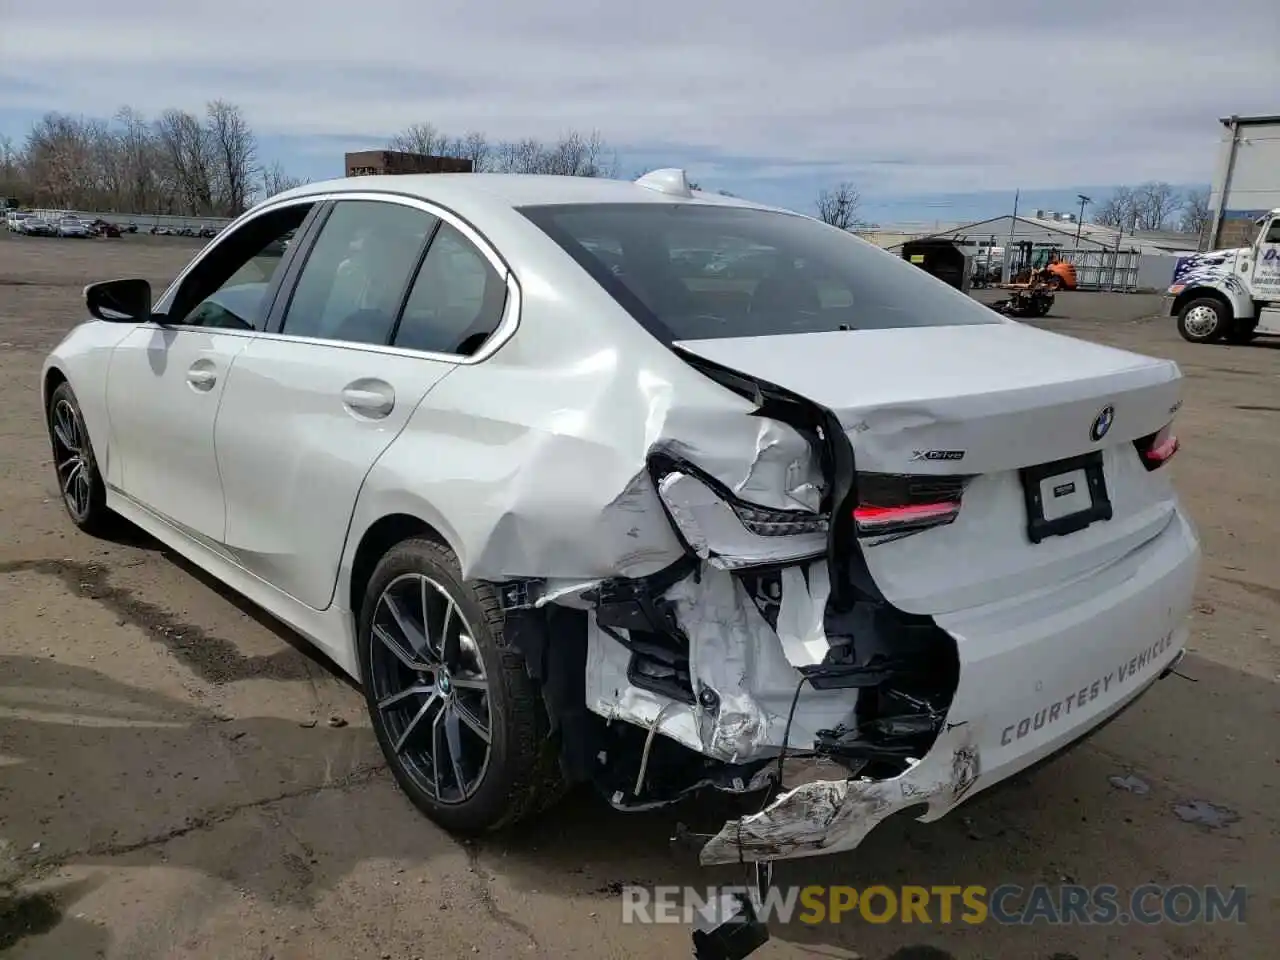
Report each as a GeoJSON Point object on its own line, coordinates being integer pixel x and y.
{"type": "Point", "coordinates": [119, 301]}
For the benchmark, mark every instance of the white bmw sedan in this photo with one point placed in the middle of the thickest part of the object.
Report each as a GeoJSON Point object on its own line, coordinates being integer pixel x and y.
{"type": "Point", "coordinates": [629, 484]}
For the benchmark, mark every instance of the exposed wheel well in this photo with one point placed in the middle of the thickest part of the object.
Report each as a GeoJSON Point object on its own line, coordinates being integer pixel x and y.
{"type": "Point", "coordinates": [1201, 293]}
{"type": "Point", "coordinates": [52, 380]}
{"type": "Point", "coordinates": [377, 540]}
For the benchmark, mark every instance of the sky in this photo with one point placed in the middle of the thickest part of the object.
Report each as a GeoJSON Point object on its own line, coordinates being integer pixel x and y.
{"type": "Point", "coordinates": [935, 111]}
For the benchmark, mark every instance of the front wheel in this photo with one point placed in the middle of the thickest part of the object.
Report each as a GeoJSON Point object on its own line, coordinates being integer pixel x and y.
{"type": "Point", "coordinates": [459, 720]}
{"type": "Point", "coordinates": [79, 481]}
{"type": "Point", "coordinates": [1203, 320]}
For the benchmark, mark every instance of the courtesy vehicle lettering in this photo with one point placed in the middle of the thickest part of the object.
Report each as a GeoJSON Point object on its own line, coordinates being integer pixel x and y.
{"type": "Point", "coordinates": [1053, 712]}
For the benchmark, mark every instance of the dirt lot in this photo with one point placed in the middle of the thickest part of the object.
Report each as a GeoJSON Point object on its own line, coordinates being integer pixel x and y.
{"type": "Point", "coordinates": [178, 779]}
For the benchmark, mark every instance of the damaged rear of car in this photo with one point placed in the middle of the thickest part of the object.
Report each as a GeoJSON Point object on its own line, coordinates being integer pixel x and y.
{"type": "Point", "coordinates": [816, 504]}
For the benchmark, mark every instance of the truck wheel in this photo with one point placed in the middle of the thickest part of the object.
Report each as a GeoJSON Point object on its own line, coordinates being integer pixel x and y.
{"type": "Point", "coordinates": [460, 722]}
{"type": "Point", "coordinates": [1203, 320]}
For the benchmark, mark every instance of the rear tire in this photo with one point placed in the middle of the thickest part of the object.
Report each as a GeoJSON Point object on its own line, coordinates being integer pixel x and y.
{"type": "Point", "coordinates": [469, 683]}
{"type": "Point", "coordinates": [1203, 320]}
{"type": "Point", "coordinates": [84, 495]}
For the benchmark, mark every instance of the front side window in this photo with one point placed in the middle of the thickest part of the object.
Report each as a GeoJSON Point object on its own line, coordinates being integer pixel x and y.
{"type": "Point", "coordinates": [1271, 232]}
{"type": "Point", "coordinates": [456, 301]}
{"type": "Point", "coordinates": [690, 271]}
{"type": "Point", "coordinates": [356, 274]}
{"type": "Point", "coordinates": [227, 289]}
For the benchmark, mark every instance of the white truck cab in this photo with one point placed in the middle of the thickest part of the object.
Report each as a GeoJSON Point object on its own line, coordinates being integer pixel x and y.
{"type": "Point", "coordinates": [1231, 295]}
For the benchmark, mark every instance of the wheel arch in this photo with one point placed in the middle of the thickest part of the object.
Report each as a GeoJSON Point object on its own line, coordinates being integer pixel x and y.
{"type": "Point", "coordinates": [54, 377]}
{"type": "Point", "coordinates": [379, 537]}
{"type": "Point", "coordinates": [1202, 293]}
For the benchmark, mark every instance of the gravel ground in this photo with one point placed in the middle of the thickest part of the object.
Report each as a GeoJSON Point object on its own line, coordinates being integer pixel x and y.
{"type": "Point", "coordinates": [180, 778]}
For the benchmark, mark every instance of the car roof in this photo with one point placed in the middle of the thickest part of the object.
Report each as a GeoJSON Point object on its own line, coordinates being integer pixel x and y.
{"type": "Point", "coordinates": [514, 190]}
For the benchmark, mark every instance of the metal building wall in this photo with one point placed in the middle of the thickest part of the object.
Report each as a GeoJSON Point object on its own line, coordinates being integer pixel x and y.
{"type": "Point", "coordinates": [1246, 181]}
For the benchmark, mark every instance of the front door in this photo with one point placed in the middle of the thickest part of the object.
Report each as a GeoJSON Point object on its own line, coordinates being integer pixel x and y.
{"type": "Point", "coordinates": [367, 331]}
{"type": "Point", "coordinates": [166, 379]}
{"type": "Point", "coordinates": [1265, 282]}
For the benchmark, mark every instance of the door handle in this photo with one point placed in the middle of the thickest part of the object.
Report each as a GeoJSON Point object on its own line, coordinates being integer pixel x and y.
{"type": "Point", "coordinates": [201, 379]}
{"type": "Point", "coordinates": [369, 398]}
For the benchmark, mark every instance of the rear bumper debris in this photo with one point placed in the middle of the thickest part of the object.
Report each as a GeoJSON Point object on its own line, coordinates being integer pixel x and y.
{"type": "Point", "coordinates": [1034, 678]}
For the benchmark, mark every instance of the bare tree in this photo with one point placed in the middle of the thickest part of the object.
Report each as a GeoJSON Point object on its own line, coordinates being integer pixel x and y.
{"type": "Point", "coordinates": [476, 148]}
{"type": "Point", "coordinates": [1155, 203]}
{"type": "Point", "coordinates": [140, 161]}
{"type": "Point", "coordinates": [179, 164]}
{"type": "Point", "coordinates": [276, 180]}
{"type": "Point", "coordinates": [839, 207]}
{"type": "Point", "coordinates": [420, 138]}
{"type": "Point", "coordinates": [59, 160]}
{"type": "Point", "coordinates": [191, 156]}
{"type": "Point", "coordinates": [1118, 210]}
{"type": "Point", "coordinates": [235, 152]}
{"type": "Point", "coordinates": [11, 180]}
{"type": "Point", "coordinates": [1196, 215]}
{"type": "Point", "coordinates": [573, 154]}
{"type": "Point", "coordinates": [1148, 206]}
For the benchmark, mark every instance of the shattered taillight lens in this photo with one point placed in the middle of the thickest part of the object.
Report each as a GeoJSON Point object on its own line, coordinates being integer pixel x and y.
{"type": "Point", "coordinates": [900, 504]}
{"type": "Point", "coordinates": [1157, 449]}
{"type": "Point", "coordinates": [778, 523]}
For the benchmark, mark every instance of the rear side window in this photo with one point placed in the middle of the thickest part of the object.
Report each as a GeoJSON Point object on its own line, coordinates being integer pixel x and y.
{"type": "Point", "coordinates": [456, 301]}
{"type": "Point", "coordinates": [691, 271]}
{"type": "Point", "coordinates": [357, 272]}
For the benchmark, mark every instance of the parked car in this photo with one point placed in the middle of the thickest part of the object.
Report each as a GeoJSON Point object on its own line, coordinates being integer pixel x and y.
{"type": "Point", "coordinates": [571, 508]}
{"type": "Point", "coordinates": [14, 221]}
{"type": "Point", "coordinates": [73, 227]}
{"type": "Point", "coordinates": [34, 226]}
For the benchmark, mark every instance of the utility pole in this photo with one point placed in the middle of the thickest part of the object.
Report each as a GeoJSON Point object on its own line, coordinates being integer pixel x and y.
{"type": "Point", "coordinates": [1080, 220]}
{"type": "Point", "coordinates": [1008, 250]}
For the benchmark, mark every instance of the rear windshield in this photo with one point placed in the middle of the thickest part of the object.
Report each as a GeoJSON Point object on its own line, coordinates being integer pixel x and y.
{"type": "Point", "coordinates": [700, 271]}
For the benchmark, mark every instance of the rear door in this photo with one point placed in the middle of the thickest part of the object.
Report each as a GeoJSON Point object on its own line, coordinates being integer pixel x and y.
{"type": "Point", "coordinates": [314, 402]}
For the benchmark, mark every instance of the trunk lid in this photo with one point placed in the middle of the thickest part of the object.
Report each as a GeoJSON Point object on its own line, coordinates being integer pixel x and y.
{"type": "Point", "coordinates": [983, 401]}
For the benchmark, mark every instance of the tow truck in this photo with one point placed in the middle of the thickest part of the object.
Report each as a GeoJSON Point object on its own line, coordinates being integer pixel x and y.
{"type": "Point", "coordinates": [1231, 295]}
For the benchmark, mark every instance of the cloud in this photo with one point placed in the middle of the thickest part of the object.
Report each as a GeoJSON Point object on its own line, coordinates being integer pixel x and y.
{"type": "Point", "coordinates": [914, 96]}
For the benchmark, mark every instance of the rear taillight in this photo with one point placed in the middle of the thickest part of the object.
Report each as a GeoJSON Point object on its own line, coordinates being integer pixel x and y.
{"type": "Point", "coordinates": [1157, 449]}
{"type": "Point", "coordinates": [900, 504]}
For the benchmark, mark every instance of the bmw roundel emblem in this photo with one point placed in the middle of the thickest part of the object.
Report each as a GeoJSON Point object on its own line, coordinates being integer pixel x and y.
{"type": "Point", "coordinates": [1102, 423]}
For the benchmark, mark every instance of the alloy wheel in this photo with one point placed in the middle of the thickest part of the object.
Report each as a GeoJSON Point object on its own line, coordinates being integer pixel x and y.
{"type": "Point", "coordinates": [430, 688]}
{"type": "Point", "coordinates": [71, 459]}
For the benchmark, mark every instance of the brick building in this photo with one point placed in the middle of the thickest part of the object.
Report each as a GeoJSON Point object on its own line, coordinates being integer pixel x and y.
{"type": "Point", "coordinates": [365, 163]}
